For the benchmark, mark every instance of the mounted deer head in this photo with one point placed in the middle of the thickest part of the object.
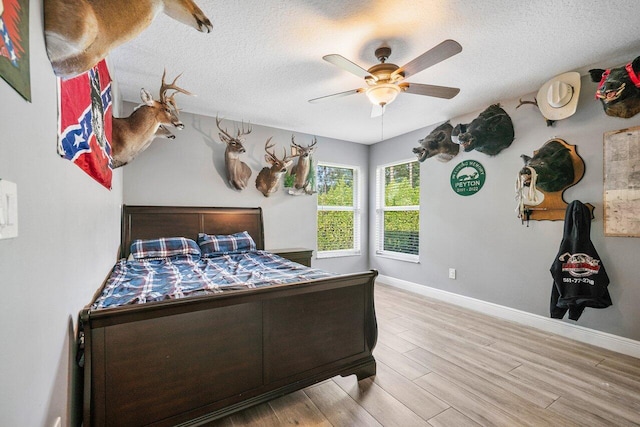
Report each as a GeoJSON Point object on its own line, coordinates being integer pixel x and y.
{"type": "Point", "coordinates": [238, 173]}
{"type": "Point", "coordinates": [133, 134]}
{"type": "Point", "coordinates": [301, 169]}
{"type": "Point", "coordinates": [79, 33]}
{"type": "Point", "coordinates": [269, 177]}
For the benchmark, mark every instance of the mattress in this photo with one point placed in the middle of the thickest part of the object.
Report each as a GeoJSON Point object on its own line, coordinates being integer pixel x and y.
{"type": "Point", "coordinates": [147, 280]}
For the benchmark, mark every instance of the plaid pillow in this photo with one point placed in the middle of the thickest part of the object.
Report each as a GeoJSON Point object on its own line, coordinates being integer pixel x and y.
{"type": "Point", "coordinates": [212, 245]}
{"type": "Point", "coordinates": [164, 247]}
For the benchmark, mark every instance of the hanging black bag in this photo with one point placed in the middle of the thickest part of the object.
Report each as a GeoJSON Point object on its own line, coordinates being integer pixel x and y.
{"type": "Point", "coordinates": [580, 279]}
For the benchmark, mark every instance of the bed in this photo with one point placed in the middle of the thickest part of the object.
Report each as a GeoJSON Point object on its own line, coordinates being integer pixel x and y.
{"type": "Point", "coordinates": [191, 360]}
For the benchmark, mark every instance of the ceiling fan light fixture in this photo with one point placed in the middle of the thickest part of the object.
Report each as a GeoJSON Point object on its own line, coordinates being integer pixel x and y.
{"type": "Point", "coordinates": [383, 94]}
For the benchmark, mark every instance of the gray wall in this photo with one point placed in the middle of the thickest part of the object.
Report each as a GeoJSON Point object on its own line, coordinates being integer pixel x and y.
{"type": "Point", "coordinates": [497, 259]}
{"type": "Point", "coordinates": [67, 243]}
{"type": "Point", "coordinates": [189, 171]}
{"type": "Point", "coordinates": [69, 228]}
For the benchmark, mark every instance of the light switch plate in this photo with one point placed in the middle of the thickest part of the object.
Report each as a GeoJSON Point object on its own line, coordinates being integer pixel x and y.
{"type": "Point", "coordinates": [8, 209]}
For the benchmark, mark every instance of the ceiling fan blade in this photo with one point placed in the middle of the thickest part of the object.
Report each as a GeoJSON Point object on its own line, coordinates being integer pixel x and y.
{"type": "Point", "coordinates": [444, 50]}
{"type": "Point", "coordinates": [377, 110]}
{"type": "Point", "coordinates": [336, 95]}
{"type": "Point", "coordinates": [430, 90]}
{"type": "Point", "coordinates": [345, 64]}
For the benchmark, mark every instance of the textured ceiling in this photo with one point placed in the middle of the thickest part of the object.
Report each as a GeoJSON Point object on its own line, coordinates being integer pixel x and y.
{"type": "Point", "coordinates": [263, 60]}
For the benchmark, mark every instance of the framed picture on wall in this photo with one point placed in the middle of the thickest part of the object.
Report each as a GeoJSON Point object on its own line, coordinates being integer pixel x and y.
{"type": "Point", "coordinates": [622, 182]}
{"type": "Point", "coordinates": [14, 45]}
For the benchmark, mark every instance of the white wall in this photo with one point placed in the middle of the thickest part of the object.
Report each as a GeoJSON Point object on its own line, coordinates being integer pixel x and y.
{"type": "Point", "coordinates": [67, 243]}
{"type": "Point", "coordinates": [497, 259]}
{"type": "Point", "coordinates": [189, 171]}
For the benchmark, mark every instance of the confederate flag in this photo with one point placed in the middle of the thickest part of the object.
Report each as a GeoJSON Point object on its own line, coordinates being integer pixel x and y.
{"type": "Point", "coordinates": [84, 122]}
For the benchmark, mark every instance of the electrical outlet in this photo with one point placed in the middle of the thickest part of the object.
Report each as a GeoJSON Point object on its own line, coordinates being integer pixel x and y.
{"type": "Point", "coordinates": [452, 273]}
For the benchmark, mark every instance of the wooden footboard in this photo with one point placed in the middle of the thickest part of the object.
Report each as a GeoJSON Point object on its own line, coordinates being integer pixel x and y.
{"type": "Point", "coordinates": [189, 361]}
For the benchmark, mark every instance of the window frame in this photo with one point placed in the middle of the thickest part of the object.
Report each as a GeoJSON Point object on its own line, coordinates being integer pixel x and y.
{"type": "Point", "coordinates": [381, 208]}
{"type": "Point", "coordinates": [356, 209]}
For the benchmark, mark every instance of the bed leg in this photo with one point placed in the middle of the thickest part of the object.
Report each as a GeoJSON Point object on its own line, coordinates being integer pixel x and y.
{"type": "Point", "coordinates": [364, 371]}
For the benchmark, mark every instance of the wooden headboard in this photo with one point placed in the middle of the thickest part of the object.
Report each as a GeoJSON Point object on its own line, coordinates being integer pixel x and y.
{"type": "Point", "coordinates": [152, 222]}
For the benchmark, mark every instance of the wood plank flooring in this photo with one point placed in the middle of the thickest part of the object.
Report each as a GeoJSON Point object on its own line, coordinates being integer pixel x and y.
{"type": "Point", "coordinates": [442, 365]}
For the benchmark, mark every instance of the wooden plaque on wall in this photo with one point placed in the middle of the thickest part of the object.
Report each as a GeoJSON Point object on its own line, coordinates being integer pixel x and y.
{"type": "Point", "coordinates": [622, 182]}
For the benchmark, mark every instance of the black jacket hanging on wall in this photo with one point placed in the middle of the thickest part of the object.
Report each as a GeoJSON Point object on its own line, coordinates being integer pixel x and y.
{"type": "Point", "coordinates": [580, 279]}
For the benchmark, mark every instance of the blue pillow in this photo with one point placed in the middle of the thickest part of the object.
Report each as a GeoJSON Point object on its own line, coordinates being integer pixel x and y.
{"type": "Point", "coordinates": [222, 244]}
{"type": "Point", "coordinates": [164, 248]}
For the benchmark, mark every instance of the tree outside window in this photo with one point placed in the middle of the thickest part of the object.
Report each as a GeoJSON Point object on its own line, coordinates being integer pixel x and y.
{"type": "Point", "coordinates": [338, 210]}
{"type": "Point", "coordinates": [398, 211]}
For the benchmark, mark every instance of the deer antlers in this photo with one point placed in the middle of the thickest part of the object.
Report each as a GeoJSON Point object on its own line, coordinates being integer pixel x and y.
{"type": "Point", "coordinates": [521, 103]}
{"type": "Point", "coordinates": [271, 155]}
{"type": "Point", "coordinates": [534, 102]}
{"type": "Point", "coordinates": [169, 100]}
{"type": "Point", "coordinates": [300, 147]}
{"type": "Point", "coordinates": [227, 138]}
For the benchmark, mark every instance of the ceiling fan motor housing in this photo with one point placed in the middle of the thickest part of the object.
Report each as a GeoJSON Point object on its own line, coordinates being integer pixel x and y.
{"type": "Point", "coordinates": [382, 74]}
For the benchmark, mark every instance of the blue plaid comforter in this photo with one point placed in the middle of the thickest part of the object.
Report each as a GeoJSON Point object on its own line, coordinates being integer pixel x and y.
{"type": "Point", "coordinates": [141, 281]}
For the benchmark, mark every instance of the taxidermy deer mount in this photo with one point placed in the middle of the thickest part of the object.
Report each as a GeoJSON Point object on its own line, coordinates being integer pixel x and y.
{"type": "Point", "coordinates": [238, 173]}
{"type": "Point", "coordinates": [301, 170]}
{"type": "Point", "coordinates": [80, 33]}
{"type": "Point", "coordinates": [132, 135]}
{"type": "Point", "coordinates": [269, 177]}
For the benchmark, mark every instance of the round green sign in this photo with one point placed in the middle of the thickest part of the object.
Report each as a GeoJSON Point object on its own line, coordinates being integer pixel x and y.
{"type": "Point", "coordinates": [468, 177]}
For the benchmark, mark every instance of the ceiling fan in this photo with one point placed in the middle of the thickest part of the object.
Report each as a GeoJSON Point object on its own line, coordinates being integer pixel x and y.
{"type": "Point", "coordinates": [385, 80]}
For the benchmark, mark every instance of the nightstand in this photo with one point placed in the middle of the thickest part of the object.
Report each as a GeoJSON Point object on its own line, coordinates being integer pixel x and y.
{"type": "Point", "coordinates": [299, 255]}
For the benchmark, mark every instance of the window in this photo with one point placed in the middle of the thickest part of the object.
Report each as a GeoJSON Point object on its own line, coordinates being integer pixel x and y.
{"type": "Point", "coordinates": [338, 210]}
{"type": "Point", "coordinates": [398, 211]}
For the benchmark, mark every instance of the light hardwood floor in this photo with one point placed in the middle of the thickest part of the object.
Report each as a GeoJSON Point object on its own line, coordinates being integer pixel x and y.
{"type": "Point", "coordinates": [441, 365]}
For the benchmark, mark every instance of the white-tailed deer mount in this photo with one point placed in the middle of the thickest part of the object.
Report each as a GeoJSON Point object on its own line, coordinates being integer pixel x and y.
{"type": "Point", "coordinates": [269, 177]}
{"type": "Point", "coordinates": [133, 134]}
{"type": "Point", "coordinates": [301, 170]}
{"type": "Point", "coordinates": [238, 173]}
{"type": "Point", "coordinates": [79, 33]}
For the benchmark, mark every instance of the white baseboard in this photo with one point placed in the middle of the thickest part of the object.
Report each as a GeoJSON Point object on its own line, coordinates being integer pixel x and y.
{"type": "Point", "coordinates": [578, 333]}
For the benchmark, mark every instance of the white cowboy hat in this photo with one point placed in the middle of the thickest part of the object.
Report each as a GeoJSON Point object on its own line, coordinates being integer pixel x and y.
{"type": "Point", "coordinates": [558, 98]}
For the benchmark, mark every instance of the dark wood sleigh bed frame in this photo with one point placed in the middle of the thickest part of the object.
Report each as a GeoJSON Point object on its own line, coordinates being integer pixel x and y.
{"type": "Point", "coordinates": [189, 361]}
